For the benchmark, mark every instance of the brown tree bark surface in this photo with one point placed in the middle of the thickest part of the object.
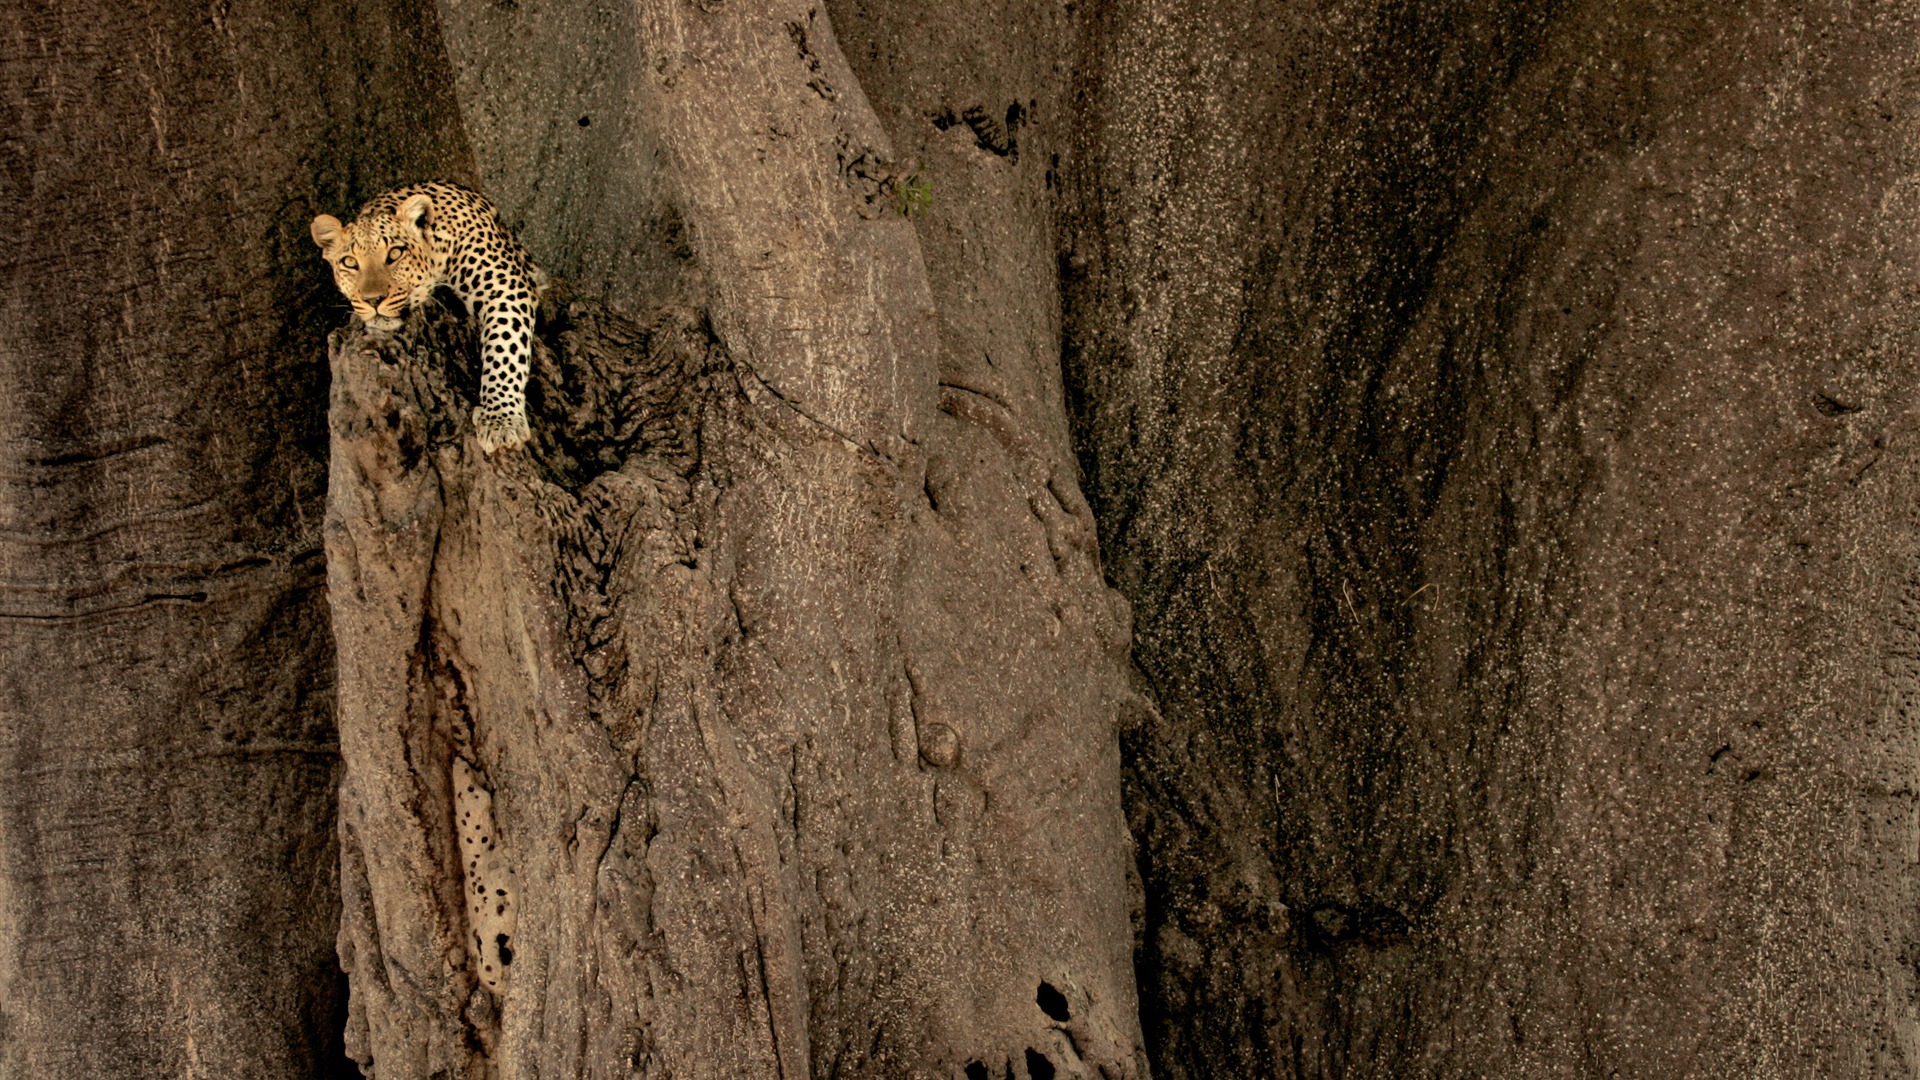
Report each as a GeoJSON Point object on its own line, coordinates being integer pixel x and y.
{"type": "Point", "coordinates": [1501, 420]}
{"type": "Point", "coordinates": [168, 885]}
{"type": "Point", "coordinates": [1497, 416]}
{"type": "Point", "coordinates": [797, 701]}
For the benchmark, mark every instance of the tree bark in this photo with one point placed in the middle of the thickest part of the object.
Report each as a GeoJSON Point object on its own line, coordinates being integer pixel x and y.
{"type": "Point", "coordinates": [801, 737]}
{"type": "Point", "coordinates": [168, 884]}
{"type": "Point", "coordinates": [1499, 418]}
{"type": "Point", "coordinates": [1494, 414]}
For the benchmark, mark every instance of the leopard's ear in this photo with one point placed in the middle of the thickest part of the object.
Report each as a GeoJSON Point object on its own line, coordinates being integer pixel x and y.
{"type": "Point", "coordinates": [416, 213]}
{"type": "Point", "coordinates": [326, 229]}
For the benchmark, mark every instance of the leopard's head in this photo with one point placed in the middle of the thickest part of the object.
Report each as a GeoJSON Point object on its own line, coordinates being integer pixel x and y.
{"type": "Point", "coordinates": [380, 262]}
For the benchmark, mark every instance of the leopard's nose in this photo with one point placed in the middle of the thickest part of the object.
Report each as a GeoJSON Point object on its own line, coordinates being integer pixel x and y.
{"type": "Point", "coordinates": [373, 298]}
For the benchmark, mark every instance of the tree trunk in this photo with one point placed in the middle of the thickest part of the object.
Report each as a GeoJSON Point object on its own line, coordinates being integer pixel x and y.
{"type": "Point", "coordinates": [1494, 414]}
{"type": "Point", "coordinates": [1499, 417]}
{"type": "Point", "coordinates": [168, 884]}
{"type": "Point", "coordinates": [795, 700]}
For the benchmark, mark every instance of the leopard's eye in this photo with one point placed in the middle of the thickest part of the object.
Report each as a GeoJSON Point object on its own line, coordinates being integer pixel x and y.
{"type": "Point", "coordinates": [350, 263]}
{"type": "Point", "coordinates": [394, 252]}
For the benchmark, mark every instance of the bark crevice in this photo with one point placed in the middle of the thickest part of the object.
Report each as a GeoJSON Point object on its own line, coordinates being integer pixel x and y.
{"type": "Point", "coordinates": [517, 577]}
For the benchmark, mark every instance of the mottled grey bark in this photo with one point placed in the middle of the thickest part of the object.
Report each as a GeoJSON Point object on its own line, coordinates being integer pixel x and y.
{"type": "Point", "coordinates": [168, 891]}
{"type": "Point", "coordinates": [801, 737]}
{"type": "Point", "coordinates": [1500, 417]}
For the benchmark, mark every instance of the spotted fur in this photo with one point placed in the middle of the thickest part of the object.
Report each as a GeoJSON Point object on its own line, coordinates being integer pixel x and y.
{"type": "Point", "coordinates": [487, 877]}
{"type": "Point", "coordinates": [408, 242]}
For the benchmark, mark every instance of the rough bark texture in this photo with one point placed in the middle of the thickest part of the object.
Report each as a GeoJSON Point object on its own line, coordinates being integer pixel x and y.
{"type": "Point", "coordinates": [168, 891]}
{"type": "Point", "coordinates": [801, 732]}
{"type": "Point", "coordinates": [1500, 417]}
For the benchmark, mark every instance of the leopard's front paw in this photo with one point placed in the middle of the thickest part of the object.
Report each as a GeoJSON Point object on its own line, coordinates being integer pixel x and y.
{"type": "Point", "coordinates": [500, 430]}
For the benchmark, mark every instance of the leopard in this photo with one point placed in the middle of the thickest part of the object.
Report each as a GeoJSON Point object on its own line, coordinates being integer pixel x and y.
{"type": "Point", "coordinates": [408, 242]}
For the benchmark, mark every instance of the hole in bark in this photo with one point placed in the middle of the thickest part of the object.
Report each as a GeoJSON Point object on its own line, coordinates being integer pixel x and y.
{"type": "Point", "coordinates": [506, 951]}
{"type": "Point", "coordinates": [584, 121]}
{"type": "Point", "coordinates": [1829, 406]}
{"type": "Point", "coordinates": [1038, 1066]}
{"type": "Point", "coordinates": [335, 1064]}
{"type": "Point", "coordinates": [1052, 1002]}
{"type": "Point", "coordinates": [991, 134]}
{"type": "Point", "coordinates": [976, 1071]}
